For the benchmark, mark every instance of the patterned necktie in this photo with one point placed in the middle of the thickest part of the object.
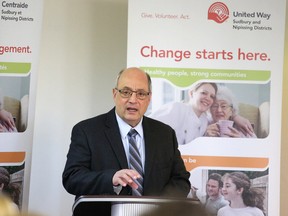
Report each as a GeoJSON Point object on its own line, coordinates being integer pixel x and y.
{"type": "Point", "coordinates": [135, 161]}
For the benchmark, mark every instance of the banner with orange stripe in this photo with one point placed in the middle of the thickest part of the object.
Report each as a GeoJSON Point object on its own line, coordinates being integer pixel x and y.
{"type": "Point", "coordinates": [216, 70]}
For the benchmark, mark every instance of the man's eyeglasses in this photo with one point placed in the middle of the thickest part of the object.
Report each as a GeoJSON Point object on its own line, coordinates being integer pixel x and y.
{"type": "Point", "coordinates": [127, 93]}
{"type": "Point", "coordinates": [223, 107]}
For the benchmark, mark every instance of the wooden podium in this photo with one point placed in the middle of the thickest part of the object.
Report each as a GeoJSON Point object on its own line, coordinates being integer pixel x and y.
{"type": "Point", "coordinates": [120, 205]}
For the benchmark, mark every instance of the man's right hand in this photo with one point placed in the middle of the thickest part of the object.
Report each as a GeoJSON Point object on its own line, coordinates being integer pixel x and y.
{"type": "Point", "coordinates": [126, 177]}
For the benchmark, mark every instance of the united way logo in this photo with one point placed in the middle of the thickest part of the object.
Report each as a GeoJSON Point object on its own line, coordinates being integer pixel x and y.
{"type": "Point", "coordinates": [218, 12]}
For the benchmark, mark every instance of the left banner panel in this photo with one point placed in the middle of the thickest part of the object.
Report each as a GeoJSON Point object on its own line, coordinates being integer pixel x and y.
{"type": "Point", "coordinates": [20, 25]}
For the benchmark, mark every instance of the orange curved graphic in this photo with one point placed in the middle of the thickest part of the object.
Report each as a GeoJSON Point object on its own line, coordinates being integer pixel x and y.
{"type": "Point", "coordinates": [12, 157]}
{"type": "Point", "coordinates": [191, 162]}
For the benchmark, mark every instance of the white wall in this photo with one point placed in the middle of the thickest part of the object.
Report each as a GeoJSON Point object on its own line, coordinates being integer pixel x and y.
{"type": "Point", "coordinates": [83, 47]}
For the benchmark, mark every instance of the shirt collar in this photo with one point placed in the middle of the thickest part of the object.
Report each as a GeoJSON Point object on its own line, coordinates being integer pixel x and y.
{"type": "Point", "coordinates": [125, 128]}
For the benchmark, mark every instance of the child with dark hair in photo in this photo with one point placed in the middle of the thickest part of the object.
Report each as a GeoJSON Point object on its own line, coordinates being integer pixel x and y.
{"type": "Point", "coordinates": [8, 188]}
{"type": "Point", "coordinates": [244, 200]}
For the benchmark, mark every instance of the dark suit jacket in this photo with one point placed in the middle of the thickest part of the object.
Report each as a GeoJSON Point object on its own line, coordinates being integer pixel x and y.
{"type": "Point", "coordinates": [96, 152]}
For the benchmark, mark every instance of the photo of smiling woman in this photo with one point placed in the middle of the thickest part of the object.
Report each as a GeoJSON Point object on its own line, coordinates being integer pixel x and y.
{"type": "Point", "coordinates": [190, 119]}
{"type": "Point", "coordinates": [222, 111]}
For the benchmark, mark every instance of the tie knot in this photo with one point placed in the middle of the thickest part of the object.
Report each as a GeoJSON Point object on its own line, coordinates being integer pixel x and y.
{"type": "Point", "coordinates": [132, 133]}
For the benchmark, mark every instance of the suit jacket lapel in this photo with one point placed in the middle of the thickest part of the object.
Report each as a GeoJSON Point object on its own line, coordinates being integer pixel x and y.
{"type": "Point", "coordinates": [150, 144]}
{"type": "Point", "coordinates": [113, 135]}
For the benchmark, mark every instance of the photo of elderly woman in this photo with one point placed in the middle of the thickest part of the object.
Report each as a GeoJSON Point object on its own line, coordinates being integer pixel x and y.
{"type": "Point", "coordinates": [222, 111]}
{"type": "Point", "coordinates": [209, 109]}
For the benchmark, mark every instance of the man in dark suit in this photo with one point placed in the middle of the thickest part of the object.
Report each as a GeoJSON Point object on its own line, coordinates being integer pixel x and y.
{"type": "Point", "coordinates": [98, 158]}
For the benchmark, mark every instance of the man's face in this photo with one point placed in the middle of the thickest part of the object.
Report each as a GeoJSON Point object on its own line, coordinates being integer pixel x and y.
{"type": "Point", "coordinates": [131, 109]}
{"type": "Point", "coordinates": [212, 188]}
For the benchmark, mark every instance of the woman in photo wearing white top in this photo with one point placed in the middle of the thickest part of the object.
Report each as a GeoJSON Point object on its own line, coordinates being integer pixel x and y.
{"type": "Point", "coordinates": [190, 120]}
{"type": "Point", "coordinates": [244, 200]}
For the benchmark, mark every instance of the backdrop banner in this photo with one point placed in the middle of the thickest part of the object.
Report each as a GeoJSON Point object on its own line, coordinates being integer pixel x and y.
{"type": "Point", "coordinates": [19, 51]}
{"type": "Point", "coordinates": [216, 66]}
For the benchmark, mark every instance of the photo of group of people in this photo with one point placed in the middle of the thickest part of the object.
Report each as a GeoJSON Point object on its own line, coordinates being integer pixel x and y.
{"type": "Point", "coordinates": [213, 110]}
{"type": "Point", "coordinates": [218, 110]}
{"type": "Point", "coordinates": [11, 183]}
{"type": "Point", "coordinates": [226, 192]}
{"type": "Point", "coordinates": [14, 100]}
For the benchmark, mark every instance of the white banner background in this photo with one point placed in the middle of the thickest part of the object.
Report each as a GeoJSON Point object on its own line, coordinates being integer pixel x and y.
{"type": "Point", "coordinates": [250, 40]}
{"type": "Point", "coordinates": [20, 25]}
